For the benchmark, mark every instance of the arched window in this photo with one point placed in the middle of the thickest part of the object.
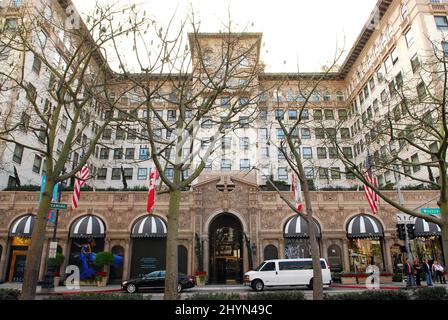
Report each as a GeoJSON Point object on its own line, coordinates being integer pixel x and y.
{"type": "Point", "coordinates": [340, 96]}
{"type": "Point", "coordinates": [327, 96]}
{"type": "Point", "coordinates": [270, 252]}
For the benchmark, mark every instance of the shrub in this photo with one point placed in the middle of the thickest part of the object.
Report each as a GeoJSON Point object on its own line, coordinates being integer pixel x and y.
{"type": "Point", "coordinates": [100, 296]}
{"type": "Point", "coordinates": [398, 277]}
{"type": "Point", "coordinates": [56, 262]}
{"type": "Point", "coordinates": [104, 259]}
{"type": "Point", "coordinates": [370, 295]}
{"type": "Point", "coordinates": [435, 293]}
{"type": "Point", "coordinates": [215, 296]}
{"type": "Point", "coordinates": [9, 294]}
{"type": "Point", "coordinates": [280, 295]}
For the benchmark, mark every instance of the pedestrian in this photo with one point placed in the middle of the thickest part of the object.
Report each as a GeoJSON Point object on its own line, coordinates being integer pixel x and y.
{"type": "Point", "coordinates": [439, 271]}
{"type": "Point", "coordinates": [417, 272]}
{"type": "Point", "coordinates": [428, 271]}
{"type": "Point", "coordinates": [409, 272]}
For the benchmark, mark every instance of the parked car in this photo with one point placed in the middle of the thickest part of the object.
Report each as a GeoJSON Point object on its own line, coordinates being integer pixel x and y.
{"type": "Point", "coordinates": [286, 273]}
{"type": "Point", "coordinates": [156, 281]}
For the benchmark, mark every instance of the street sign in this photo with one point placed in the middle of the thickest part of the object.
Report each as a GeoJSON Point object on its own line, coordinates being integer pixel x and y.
{"type": "Point", "coordinates": [59, 206]}
{"type": "Point", "coordinates": [430, 211]}
{"type": "Point", "coordinates": [53, 250]}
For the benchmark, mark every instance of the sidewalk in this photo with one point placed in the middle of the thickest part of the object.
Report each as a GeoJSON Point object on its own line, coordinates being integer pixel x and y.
{"type": "Point", "coordinates": [65, 290]}
{"type": "Point", "coordinates": [388, 286]}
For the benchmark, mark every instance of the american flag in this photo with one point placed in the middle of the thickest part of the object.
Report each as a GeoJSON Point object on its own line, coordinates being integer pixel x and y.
{"type": "Point", "coordinates": [297, 190]}
{"type": "Point", "coordinates": [153, 176]}
{"type": "Point", "coordinates": [372, 198]}
{"type": "Point", "coordinates": [81, 177]}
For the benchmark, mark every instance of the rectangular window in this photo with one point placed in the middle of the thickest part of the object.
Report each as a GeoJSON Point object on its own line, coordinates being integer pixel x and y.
{"type": "Point", "coordinates": [226, 143]}
{"type": "Point", "coordinates": [292, 114]}
{"type": "Point", "coordinates": [323, 173]}
{"type": "Point", "coordinates": [264, 133]}
{"type": "Point", "coordinates": [321, 153]}
{"type": "Point", "coordinates": [415, 63]}
{"type": "Point", "coordinates": [206, 123]}
{"type": "Point", "coordinates": [244, 164]}
{"type": "Point", "coordinates": [120, 134]}
{"type": "Point", "coordinates": [342, 114]}
{"type": "Point", "coordinates": [282, 173]}
{"type": "Point", "coordinates": [345, 133]}
{"type": "Point", "coordinates": [37, 164]}
{"type": "Point", "coordinates": [130, 153]}
{"type": "Point", "coordinates": [320, 133]}
{"type": "Point", "coordinates": [225, 102]}
{"type": "Point", "coordinates": [416, 163]}
{"type": "Point", "coordinates": [280, 134]}
{"type": "Point", "coordinates": [37, 64]}
{"type": "Point", "coordinates": [101, 174]}
{"type": "Point", "coordinates": [104, 153]}
{"type": "Point", "coordinates": [333, 153]}
{"type": "Point", "coordinates": [116, 174]}
{"type": "Point", "coordinates": [226, 164]}
{"type": "Point", "coordinates": [279, 114]}
{"type": "Point", "coordinates": [317, 115]}
{"type": "Point", "coordinates": [307, 153]}
{"type": "Point", "coordinates": [169, 173]}
{"type": "Point", "coordinates": [59, 146]}
{"type": "Point", "coordinates": [128, 173]}
{"type": "Point", "coordinates": [306, 133]}
{"type": "Point", "coordinates": [409, 36]}
{"type": "Point", "coordinates": [329, 114]}
{"type": "Point", "coordinates": [244, 143]}
{"type": "Point", "coordinates": [118, 153]}
{"type": "Point", "coordinates": [348, 153]}
{"type": "Point", "coordinates": [441, 22]}
{"type": "Point", "coordinates": [305, 114]}
{"type": "Point", "coordinates": [335, 173]}
{"type": "Point", "coordinates": [265, 151]}
{"type": "Point", "coordinates": [171, 115]}
{"type": "Point", "coordinates": [309, 172]}
{"type": "Point", "coordinates": [421, 91]}
{"type": "Point", "coordinates": [244, 122]}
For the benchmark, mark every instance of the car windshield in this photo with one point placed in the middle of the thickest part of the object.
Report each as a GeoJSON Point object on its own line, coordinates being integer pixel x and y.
{"type": "Point", "coordinates": [260, 266]}
{"type": "Point", "coordinates": [153, 274]}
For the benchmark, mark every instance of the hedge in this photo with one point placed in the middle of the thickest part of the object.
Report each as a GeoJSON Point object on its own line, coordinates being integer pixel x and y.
{"type": "Point", "coordinates": [279, 295]}
{"type": "Point", "coordinates": [370, 295]}
{"type": "Point", "coordinates": [99, 296]}
{"type": "Point", "coordinates": [434, 293]}
{"type": "Point", "coordinates": [215, 296]}
{"type": "Point", "coordinates": [9, 294]}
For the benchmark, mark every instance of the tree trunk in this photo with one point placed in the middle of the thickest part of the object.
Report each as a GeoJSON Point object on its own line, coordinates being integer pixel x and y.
{"type": "Point", "coordinates": [34, 253]}
{"type": "Point", "coordinates": [317, 269]}
{"type": "Point", "coordinates": [444, 227]}
{"type": "Point", "coordinates": [171, 246]}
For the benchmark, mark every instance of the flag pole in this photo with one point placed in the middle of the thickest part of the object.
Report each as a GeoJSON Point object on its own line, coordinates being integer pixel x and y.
{"type": "Point", "coordinates": [401, 202]}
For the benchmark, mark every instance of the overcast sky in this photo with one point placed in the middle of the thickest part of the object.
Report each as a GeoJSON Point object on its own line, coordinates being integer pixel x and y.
{"type": "Point", "coordinates": [294, 31]}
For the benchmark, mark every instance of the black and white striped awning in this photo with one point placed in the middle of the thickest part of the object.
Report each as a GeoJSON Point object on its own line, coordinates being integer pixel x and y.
{"type": "Point", "coordinates": [23, 226]}
{"type": "Point", "coordinates": [88, 227]}
{"type": "Point", "coordinates": [423, 228]}
{"type": "Point", "coordinates": [297, 227]}
{"type": "Point", "coordinates": [149, 226]}
{"type": "Point", "coordinates": [364, 226]}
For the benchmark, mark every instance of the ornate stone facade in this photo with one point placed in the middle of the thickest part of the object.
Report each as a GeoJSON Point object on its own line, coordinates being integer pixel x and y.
{"type": "Point", "coordinates": [262, 214]}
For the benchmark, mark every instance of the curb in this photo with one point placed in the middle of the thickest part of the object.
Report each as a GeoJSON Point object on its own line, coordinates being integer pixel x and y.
{"type": "Point", "coordinates": [78, 292]}
{"type": "Point", "coordinates": [364, 287]}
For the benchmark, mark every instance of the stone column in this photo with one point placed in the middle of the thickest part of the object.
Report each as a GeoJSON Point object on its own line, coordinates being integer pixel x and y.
{"type": "Point", "coordinates": [43, 264]}
{"type": "Point", "coordinates": [205, 247]}
{"type": "Point", "coordinates": [127, 259]}
{"type": "Point", "coordinates": [387, 259]}
{"type": "Point", "coordinates": [346, 260]}
{"type": "Point", "coordinates": [281, 248]}
{"type": "Point", "coordinates": [324, 248]}
{"type": "Point", "coordinates": [3, 260]}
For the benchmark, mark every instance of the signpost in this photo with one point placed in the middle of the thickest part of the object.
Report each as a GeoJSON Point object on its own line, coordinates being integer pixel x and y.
{"type": "Point", "coordinates": [59, 206]}
{"type": "Point", "coordinates": [430, 211]}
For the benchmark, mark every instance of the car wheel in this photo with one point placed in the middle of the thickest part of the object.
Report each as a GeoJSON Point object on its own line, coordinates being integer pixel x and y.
{"type": "Point", "coordinates": [258, 285]}
{"type": "Point", "coordinates": [179, 288]}
{"type": "Point", "coordinates": [310, 286]}
{"type": "Point", "coordinates": [131, 288]}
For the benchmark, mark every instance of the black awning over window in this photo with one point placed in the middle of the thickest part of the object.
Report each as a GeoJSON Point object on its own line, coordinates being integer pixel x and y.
{"type": "Point", "coordinates": [149, 226]}
{"type": "Point", "coordinates": [297, 227]}
{"type": "Point", "coordinates": [88, 226]}
{"type": "Point", "coordinates": [23, 226]}
{"type": "Point", "coordinates": [364, 226]}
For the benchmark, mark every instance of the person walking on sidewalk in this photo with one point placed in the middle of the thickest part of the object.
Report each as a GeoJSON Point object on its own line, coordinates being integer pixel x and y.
{"type": "Point", "coordinates": [428, 270]}
{"type": "Point", "coordinates": [439, 271]}
{"type": "Point", "coordinates": [409, 272]}
{"type": "Point", "coordinates": [417, 272]}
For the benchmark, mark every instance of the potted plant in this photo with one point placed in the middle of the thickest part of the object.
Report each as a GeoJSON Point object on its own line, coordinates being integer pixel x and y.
{"type": "Point", "coordinates": [103, 259]}
{"type": "Point", "coordinates": [200, 278]}
{"type": "Point", "coordinates": [55, 263]}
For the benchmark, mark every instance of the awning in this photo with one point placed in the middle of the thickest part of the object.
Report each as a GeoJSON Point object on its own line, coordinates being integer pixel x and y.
{"type": "Point", "coordinates": [297, 227]}
{"type": "Point", "coordinates": [423, 228]}
{"type": "Point", "coordinates": [88, 226]}
{"type": "Point", "coordinates": [149, 226]}
{"type": "Point", "coordinates": [364, 226]}
{"type": "Point", "coordinates": [23, 226]}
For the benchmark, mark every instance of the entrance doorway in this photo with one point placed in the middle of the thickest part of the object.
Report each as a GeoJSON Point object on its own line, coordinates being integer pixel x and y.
{"type": "Point", "coordinates": [226, 250]}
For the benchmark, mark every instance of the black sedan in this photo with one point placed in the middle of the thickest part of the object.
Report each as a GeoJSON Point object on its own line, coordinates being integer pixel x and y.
{"type": "Point", "coordinates": [156, 281]}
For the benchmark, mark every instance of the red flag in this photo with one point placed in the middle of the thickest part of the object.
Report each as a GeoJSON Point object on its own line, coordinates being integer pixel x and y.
{"type": "Point", "coordinates": [296, 187]}
{"type": "Point", "coordinates": [372, 198]}
{"type": "Point", "coordinates": [80, 180]}
{"type": "Point", "coordinates": [153, 176]}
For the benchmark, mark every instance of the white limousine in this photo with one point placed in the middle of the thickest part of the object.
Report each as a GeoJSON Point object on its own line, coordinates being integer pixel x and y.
{"type": "Point", "coordinates": [286, 273]}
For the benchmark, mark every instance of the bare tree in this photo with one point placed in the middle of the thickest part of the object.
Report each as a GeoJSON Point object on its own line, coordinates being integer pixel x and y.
{"type": "Point", "coordinates": [407, 136]}
{"type": "Point", "coordinates": [208, 84]}
{"type": "Point", "coordinates": [55, 81]}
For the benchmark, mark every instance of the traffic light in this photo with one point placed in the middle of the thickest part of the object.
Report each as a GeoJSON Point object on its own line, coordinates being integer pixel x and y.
{"type": "Point", "coordinates": [401, 232]}
{"type": "Point", "coordinates": [410, 229]}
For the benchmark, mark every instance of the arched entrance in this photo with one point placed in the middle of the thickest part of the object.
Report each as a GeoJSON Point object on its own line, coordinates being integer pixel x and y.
{"type": "Point", "coordinates": [20, 238]}
{"type": "Point", "coordinates": [226, 249]}
{"type": "Point", "coordinates": [116, 270]}
{"type": "Point", "coordinates": [148, 235]}
{"type": "Point", "coordinates": [182, 259]}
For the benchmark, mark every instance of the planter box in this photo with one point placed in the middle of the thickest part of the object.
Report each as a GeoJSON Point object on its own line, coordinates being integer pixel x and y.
{"type": "Point", "coordinates": [102, 283]}
{"type": "Point", "coordinates": [348, 280]}
{"type": "Point", "coordinates": [57, 280]}
{"type": "Point", "coordinates": [200, 282]}
{"type": "Point", "coordinates": [386, 279]}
